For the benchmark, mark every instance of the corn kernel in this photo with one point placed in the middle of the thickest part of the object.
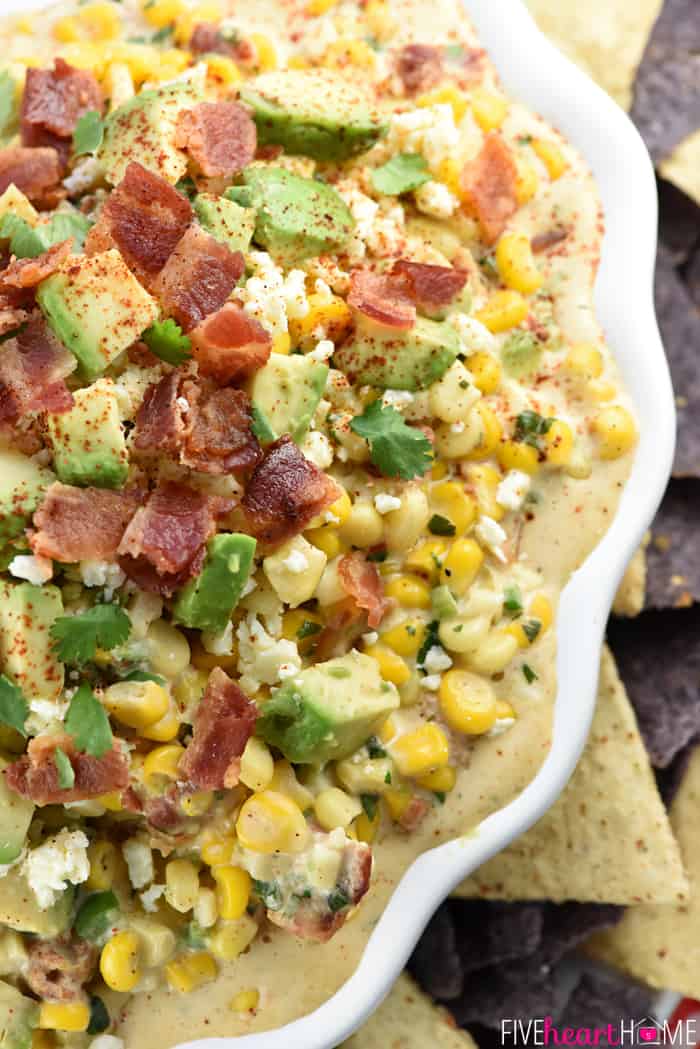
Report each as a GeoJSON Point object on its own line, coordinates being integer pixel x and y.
{"type": "Point", "coordinates": [314, 8]}
{"type": "Point", "coordinates": [448, 95]}
{"type": "Point", "coordinates": [168, 649]}
{"type": "Point", "coordinates": [120, 961]}
{"type": "Point", "coordinates": [463, 634]}
{"type": "Point", "coordinates": [270, 822]}
{"type": "Point", "coordinates": [349, 51]}
{"type": "Point", "coordinates": [203, 660]}
{"type": "Point", "coordinates": [387, 731]}
{"type": "Point", "coordinates": [366, 828]}
{"type": "Point", "coordinates": [25, 24]}
{"type": "Point", "coordinates": [233, 887]}
{"type": "Point", "coordinates": [559, 443]}
{"type": "Point", "coordinates": [327, 539]}
{"type": "Point", "coordinates": [257, 766]}
{"type": "Point", "coordinates": [439, 470]}
{"type": "Point", "coordinates": [599, 390]}
{"type": "Point", "coordinates": [485, 371]}
{"type": "Point", "coordinates": [196, 804]}
{"type": "Point", "coordinates": [516, 263]}
{"type": "Point", "coordinates": [379, 20]}
{"type": "Point", "coordinates": [449, 171]}
{"type": "Point", "coordinates": [527, 181]}
{"type": "Point", "coordinates": [104, 864]}
{"type": "Point", "coordinates": [406, 637]}
{"type": "Point", "coordinates": [112, 801]}
{"type": "Point", "coordinates": [489, 109]}
{"type": "Point", "coordinates": [485, 481]}
{"type": "Point", "coordinates": [181, 885]}
{"type": "Point", "coordinates": [427, 558]}
{"type": "Point", "coordinates": [298, 620]}
{"type": "Point", "coordinates": [285, 781]}
{"type": "Point", "coordinates": [190, 971]}
{"type": "Point", "coordinates": [231, 938]}
{"type": "Point", "coordinates": [494, 653]}
{"type": "Point", "coordinates": [364, 527]}
{"type": "Point", "coordinates": [64, 1016]}
{"type": "Point", "coordinates": [209, 11]}
{"type": "Point", "coordinates": [517, 455]}
{"type": "Point", "coordinates": [363, 775]}
{"type": "Point", "coordinates": [266, 57]}
{"type": "Point", "coordinates": [246, 1001]}
{"type": "Point", "coordinates": [490, 433]}
{"type": "Point", "coordinates": [67, 30]}
{"type": "Point", "coordinates": [161, 13]}
{"type": "Point", "coordinates": [405, 525]}
{"type": "Point", "coordinates": [326, 318]}
{"type": "Point", "coordinates": [551, 156]}
{"type": "Point", "coordinates": [584, 361]}
{"type": "Point", "coordinates": [282, 343]}
{"type": "Point", "coordinates": [137, 704]}
{"type": "Point", "coordinates": [442, 780]}
{"type": "Point", "coordinates": [391, 666]}
{"type": "Point", "coordinates": [616, 431]}
{"type": "Point", "coordinates": [164, 730]}
{"type": "Point", "coordinates": [334, 808]}
{"type": "Point", "coordinates": [504, 310]}
{"type": "Point", "coordinates": [467, 702]}
{"type": "Point", "coordinates": [541, 608]}
{"type": "Point", "coordinates": [217, 850]}
{"type": "Point", "coordinates": [162, 762]}
{"type": "Point", "coordinates": [421, 751]}
{"type": "Point", "coordinates": [409, 591]}
{"type": "Point", "coordinates": [462, 565]}
{"type": "Point", "coordinates": [450, 500]}
{"type": "Point", "coordinates": [101, 21]}
{"type": "Point", "coordinates": [397, 801]}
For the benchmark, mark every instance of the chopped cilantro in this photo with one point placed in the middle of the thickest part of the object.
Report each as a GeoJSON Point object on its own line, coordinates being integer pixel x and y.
{"type": "Point", "coordinates": [99, 1017]}
{"type": "Point", "coordinates": [530, 427]}
{"type": "Point", "coordinates": [13, 706]}
{"type": "Point", "coordinates": [431, 638]}
{"type": "Point", "coordinates": [308, 629]}
{"type": "Point", "coordinates": [440, 796]}
{"type": "Point", "coordinates": [369, 804]}
{"type": "Point", "coordinates": [88, 724]}
{"type": "Point", "coordinates": [532, 628]}
{"type": "Point", "coordinates": [387, 778]}
{"type": "Point", "coordinates": [194, 935]}
{"type": "Point", "coordinates": [524, 140]}
{"type": "Point", "coordinates": [338, 899]}
{"type": "Point", "coordinates": [455, 52]}
{"type": "Point", "coordinates": [402, 173]}
{"type": "Point", "coordinates": [66, 775]}
{"type": "Point", "coordinates": [396, 449]}
{"type": "Point", "coordinates": [528, 673]}
{"type": "Point", "coordinates": [339, 672]}
{"type": "Point", "coordinates": [374, 748]}
{"type": "Point", "coordinates": [270, 894]}
{"type": "Point", "coordinates": [187, 187]}
{"type": "Point", "coordinates": [77, 638]}
{"type": "Point", "coordinates": [440, 525]}
{"type": "Point", "coordinates": [143, 675]}
{"type": "Point", "coordinates": [88, 134]}
{"type": "Point", "coordinates": [513, 600]}
{"type": "Point", "coordinates": [166, 340]}
{"type": "Point", "coordinates": [378, 555]}
{"type": "Point", "coordinates": [230, 34]}
{"type": "Point", "coordinates": [163, 34]}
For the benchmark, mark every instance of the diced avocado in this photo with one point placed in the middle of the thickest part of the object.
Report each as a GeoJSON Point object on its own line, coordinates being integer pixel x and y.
{"type": "Point", "coordinates": [225, 220]}
{"type": "Point", "coordinates": [313, 112]}
{"type": "Point", "coordinates": [20, 910]}
{"type": "Point", "coordinates": [296, 217]}
{"type": "Point", "coordinates": [11, 86]}
{"type": "Point", "coordinates": [97, 308]}
{"type": "Point", "coordinates": [22, 482]}
{"type": "Point", "coordinates": [207, 601]}
{"type": "Point", "coordinates": [328, 710]}
{"type": "Point", "coordinates": [19, 1016]}
{"type": "Point", "coordinates": [399, 360]}
{"type": "Point", "coordinates": [15, 816]}
{"type": "Point", "coordinates": [285, 394]}
{"type": "Point", "coordinates": [521, 354]}
{"type": "Point", "coordinates": [89, 447]}
{"type": "Point", "coordinates": [26, 615]}
{"type": "Point", "coordinates": [143, 129]}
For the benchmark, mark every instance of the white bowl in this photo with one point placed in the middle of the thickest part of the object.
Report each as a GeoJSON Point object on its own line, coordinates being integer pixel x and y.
{"type": "Point", "coordinates": [541, 77]}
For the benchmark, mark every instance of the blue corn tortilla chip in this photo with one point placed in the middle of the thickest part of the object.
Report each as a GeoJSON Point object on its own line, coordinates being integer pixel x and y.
{"type": "Point", "coordinates": [673, 554]}
{"type": "Point", "coordinates": [668, 780]}
{"type": "Point", "coordinates": [435, 962]}
{"type": "Point", "coordinates": [603, 997]}
{"type": "Point", "coordinates": [679, 222]}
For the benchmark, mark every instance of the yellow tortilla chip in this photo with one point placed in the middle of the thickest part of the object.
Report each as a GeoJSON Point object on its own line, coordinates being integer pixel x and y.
{"type": "Point", "coordinates": [661, 945]}
{"type": "Point", "coordinates": [629, 599]}
{"type": "Point", "coordinates": [606, 38]}
{"type": "Point", "coordinates": [683, 166]}
{"type": "Point", "coordinates": [608, 838]}
{"type": "Point", "coordinates": [408, 1019]}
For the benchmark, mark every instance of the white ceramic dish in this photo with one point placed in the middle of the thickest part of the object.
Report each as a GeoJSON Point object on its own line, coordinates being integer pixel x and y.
{"type": "Point", "coordinates": [541, 77]}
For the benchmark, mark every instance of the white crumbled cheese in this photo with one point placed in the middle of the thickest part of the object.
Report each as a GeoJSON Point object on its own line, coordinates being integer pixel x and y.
{"type": "Point", "coordinates": [260, 655]}
{"type": "Point", "coordinates": [371, 637]}
{"type": "Point", "coordinates": [500, 726]}
{"type": "Point", "coordinates": [86, 173]}
{"type": "Point", "coordinates": [250, 586]}
{"type": "Point", "coordinates": [106, 1041]}
{"type": "Point", "coordinates": [323, 351]}
{"type": "Point", "coordinates": [102, 573]}
{"type": "Point", "coordinates": [323, 291]}
{"type": "Point", "coordinates": [512, 490]}
{"type": "Point", "coordinates": [458, 427]}
{"type": "Point", "coordinates": [385, 503]}
{"type": "Point", "coordinates": [490, 534]}
{"type": "Point", "coordinates": [475, 336]}
{"type": "Point", "coordinates": [273, 297]}
{"type": "Point", "coordinates": [182, 403]}
{"type": "Point", "coordinates": [139, 861]}
{"type": "Point", "coordinates": [44, 713]}
{"type": "Point", "coordinates": [131, 385]}
{"type": "Point", "coordinates": [296, 562]}
{"type": "Point", "coordinates": [287, 670]}
{"type": "Point", "coordinates": [431, 682]}
{"type": "Point", "coordinates": [318, 449]}
{"type": "Point", "coordinates": [51, 867]}
{"type": "Point", "coordinates": [219, 644]}
{"type": "Point", "coordinates": [35, 569]}
{"type": "Point", "coordinates": [436, 660]}
{"type": "Point", "coordinates": [430, 130]}
{"type": "Point", "coordinates": [149, 898]}
{"type": "Point", "coordinates": [435, 199]}
{"type": "Point", "coordinates": [397, 398]}
{"type": "Point", "coordinates": [143, 610]}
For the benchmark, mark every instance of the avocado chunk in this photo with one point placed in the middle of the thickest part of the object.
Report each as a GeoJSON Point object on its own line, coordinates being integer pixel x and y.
{"type": "Point", "coordinates": [143, 129]}
{"type": "Point", "coordinates": [313, 112]}
{"type": "Point", "coordinates": [285, 394]}
{"type": "Point", "coordinates": [296, 217]}
{"type": "Point", "coordinates": [22, 483]}
{"type": "Point", "coordinates": [19, 1016]}
{"type": "Point", "coordinates": [97, 308]}
{"type": "Point", "coordinates": [399, 360]}
{"type": "Point", "coordinates": [15, 816]}
{"type": "Point", "coordinates": [89, 447]}
{"type": "Point", "coordinates": [20, 909]}
{"type": "Point", "coordinates": [328, 710]}
{"type": "Point", "coordinates": [206, 603]}
{"type": "Point", "coordinates": [521, 354]}
{"type": "Point", "coordinates": [227, 221]}
{"type": "Point", "coordinates": [26, 615]}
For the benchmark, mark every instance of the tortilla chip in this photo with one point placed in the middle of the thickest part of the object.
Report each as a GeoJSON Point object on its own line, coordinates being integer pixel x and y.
{"type": "Point", "coordinates": [673, 556]}
{"type": "Point", "coordinates": [629, 599]}
{"type": "Point", "coordinates": [603, 997]}
{"type": "Point", "coordinates": [661, 945]}
{"type": "Point", "coordinates": [659, 659]}
{"type": "Point", "coordinates": [607, 838]}
{"type": "Point", "coordinates": [606, 39]}
{"type": "Point", "coordinates": [435, 962]}
{"type": "Point", "coordinates": [682, 167]}
{"type": "Point", "coordinates": [407, 1019]}
{"type": "Point", "coordinates": [679, 222]}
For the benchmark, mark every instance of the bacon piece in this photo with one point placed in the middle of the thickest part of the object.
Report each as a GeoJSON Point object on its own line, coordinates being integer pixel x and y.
{"type": "Point", "coordinates": [35, 775]}
{"type": "Point", "coordinates": [220, 137]}
{"type": "Point", "coordinates": [382, 298]}
{"type": "Point", "coordinates": [419, 67]}
{"type": "Point", "coordinates": [414, 813]}
{"type": "Point", "coordinates": [145, 218]}
{"type": "Point", "coordinates": [27, 273]}
{"type": "Point", "coordinates": [164, 543]}
{"type": "Point", "coordinates": [429, 287]}
{"type": "Point", "coordinates": [198, 278]}
{"type": "Point", "coordinates": [489, 183]}
{"type": "Point", "coordinates": [230, 345]}
{"type": "Point", "coordinates": [12, 316]}
{"type": "Point", "coordinates": [285, 492]}
{"type": "Point", "coordinates": [360, 579]}
{"type": "Point", "coordinates": [57, 969]}
{"type": "Point", "coordinates": [159, 421]}
{"type": "Point", "coordinates": [82, 524]}
{"type": "Point", "coordinates": [165, 813]}
{"type": "Point", "coordinates": [219, 437]}
{"type": "Point", "coordinates": [223, 724]}
{"type": "Point", "coordinates": [36, 172]}
{"type": "Point", "coordinates": [55, 99]}
{"type": "Point", "coordinates": [33, 368]}
{"type": "Point", "coordinates": [549, 239]}
{"type": "Point", "coordinates": [207, 39]}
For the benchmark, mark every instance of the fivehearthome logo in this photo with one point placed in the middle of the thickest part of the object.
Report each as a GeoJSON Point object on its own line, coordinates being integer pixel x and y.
{"type": "Point", "coordinates": [645, 1032]}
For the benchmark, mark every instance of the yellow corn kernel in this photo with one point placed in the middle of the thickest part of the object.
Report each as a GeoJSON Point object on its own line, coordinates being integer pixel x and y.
{"type": "Point", "coordinates": [489, 109]}
{"type": "Point", "coordinates": [118, 84]}
{"type": "Point", "coordinates": [162, 12]}
{"type": "Point", "coordinates": [217, 850]}
{"type": "Point", "coordinates": [224, 71]}
{"type": "Point", "coordinates": [327, 318]}
{"type": "Point", "coordinates": [409, 591]}
{"type": "Point", "coordinates": [233, 886]}
{"type": "Point", "coordinates": [162, 762]}
{"type": "Point", "coordinates": [104, 863]}
{"type": "Point", "coordinates": [541, 608]}
{"type": "Point", "coordinates": [366, 828]}
{"type": "Point", "coordinates": [517, 455]}
{"type": "Point", "coordinates": [494, 653]}
{"type": "Point", "coordinates": [387, 731]}
{"type": "Point", "coordinates": [516, 263]}
{"type": "Point", "coordinates": [442, 780]}
{"type": "Point", "coordinates": [462, 565]}
{"type": "Point", "coordinates": [64, 1016]}
{"type": "Point", "coordinates": [231, 938]}
{"type": "Point", "coordinates": [527, 181]}
{"type": "Point", "coordinates": [391, 666]}
{"type": "Point", "coordinates": [190, 971]}
{"type": "Point", "coordinates": [101, 21]}
{"type": "Point", "coordinates": [319, 7]}
{"type": "Point", "coordinates": [408, 523]}
{"type": "Point", "coordinates": [364, 526]}
{"type": "Point", "coordinates": [439, 470]}
{"type": "Point", "coordinates": [266, 57]}
{"type": "Point", "coordinates": [491, 433]}
{"type": "Point", "coordinates": [285, 781]}
{"type": "Point", "coordinates": [196, 804]}
{"type": "Point", "coordinates": [551, 156]}
{"type": "Point", "coordinates": [67, 30]}
{"type": "Point", "coordinates": [616, 431]}
{"type": "Point", "coordinates": [340, 509]}
{"type": "Point", "coordinates": [86, 55]}
{"type": "Point", "coordinates": [165, 729]}
{"type": "Point", "coordinates": [334, 808]}
{"type": "Point", "coordinates": [450, 500]}
{"type": "Point", "coordinates": [42, 1039]}
{"type": "Point", "coordinates": [485, 481]}
{"type": "Point", "coordinates": [504, 310]}
{"type": "Point", "coordinates": [181, 885]}
{"type": "Point", "coordinates": [559, 443]}
{"type": "Point", "coordinates": [467, 702]}
{"type": "Point", "coordinates": [379, 20]}
{"type": "Point", "coordinates": [584, 361]}
{"type": "Point", "coordinates": [397, 801]}
{"type": "Point", "coordinates": [246, 1001]}
{"type": "Point", "coordinates": [486, 372]}
{"type": "Point", "coordinates": [293, 622]}
{"type": "Point", "coordinates": [208, 11]}
{"type": "Point", "coordinates": [448, 95]}
{"type": "Point", "coordinates": [120, 961]}
{"type": "Point", "coordinates": [25, 24]}
{"type": "Point", "coordinates": [168, 649]}
{"type": "Point", "coordinates": [405, 638]}
{"type": "Point", "coordinates": [599, 390]}
{"type": "Point", "coordinates": [188, 687]}
{"type": "Point", "coordinates": [327, 539]}
{"type": "Point", "coordinates": [257, 766]}
{"type": "Point", "coordinates": [282, 343]}
{"type": "Point", "coordinates": [203, 660]}
{"type": "Point", "coordinates": [421, 751]}
{"type": "Point", "coordinates": [112, 801]}
{"type": "Point", "coordinates": [449, 171]}
{"type": "Point", "coordinates": [349, 51]}
{"type": "Point", "coordinates": [271, 822]}
{"type": "Point", "coordinates": [427, 558]}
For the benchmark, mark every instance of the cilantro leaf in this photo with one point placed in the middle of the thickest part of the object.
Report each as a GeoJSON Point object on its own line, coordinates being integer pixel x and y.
{"type": "Point", "coordinates": [530, 426]}
{"type": "Point", "coordinates": [88, 134]}
{"type": "Point", "coordinates": [166, 340]}
{"type": "Point", "coordinates": [439, 525]}
{"type": "Point", "coordinates": [26, 242]}
{"type": "Point", "coordinates": [369, 804]}
{"type": "Point", "coordinates": [163, 34]}
{"type": "Point", "coordinates": [432, 638]}
{"type": "Point", "coordinates": [513, 600]}
{"type": "Point", "coordinates": [13, 705]}
{"type": "Point", "coordinates": [77, 638]}
{"type": "Point", "coordinates": [308, 629]}
{"type": "Point", "coordinates": [338, 899]}
{"type": "Point", "coordinates": [88, 724]}
{"type": "Point", "coordinates": [396, 449]}
{"type": "Point", "coordinates": [531, 629]}
{"type": "Point", "coordinates": [528, 673]}
{"type": "Point", "coordinates": [66, 775]}
{"type": "Point", "coordinates": [402, 173]}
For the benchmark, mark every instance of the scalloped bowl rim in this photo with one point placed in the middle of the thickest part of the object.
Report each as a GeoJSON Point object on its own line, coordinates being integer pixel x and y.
{"type": "Point", "coordinates": [540, 76]}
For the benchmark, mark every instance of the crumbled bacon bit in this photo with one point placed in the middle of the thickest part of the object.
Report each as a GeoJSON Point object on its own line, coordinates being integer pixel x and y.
{"type": "Point", "coordinates": [82, 524]}
{"type": "Point", "coordinates": [57, 969]}
{"type": "Point", "coordinates": [223, 724]}
{"type": "Point", "coordinates": [33, 368]}
{"type": "Point", "coordinates": [207, 39]}
{"type": "Point", "coordinates": [381, 298]}
{"type": "Point", "coordinates": [420, 67]}
{"type": "Point", "coordinates": [55, 99]}
{"type": "Point", "coordinates": [220, 137]}
{"type": "Point", "coordinates": [218, 437]}
{"type": "Point", "coordinates": [198, 278]}
{"type": "Point", "coordinates": [429, 287]}
{"type": "Point", "coordinates": [159, 421]}
{"type": "Point", "coordinates": [27, 273]}
{"type": "Point", "coordinates": [35, 775]}
{"type": "Point", "coordinates": [414, 813]}
{"type": "Point", "coordinates": [230, 345]}
{"type": "Point", "coordinates": [550, 239]}
{"type": "Point", "coordinates": [362, 582]}
{"type": "Point", "coordinates": [489, 183]}
{"type": "Point", "coordinates": [35, 172]}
